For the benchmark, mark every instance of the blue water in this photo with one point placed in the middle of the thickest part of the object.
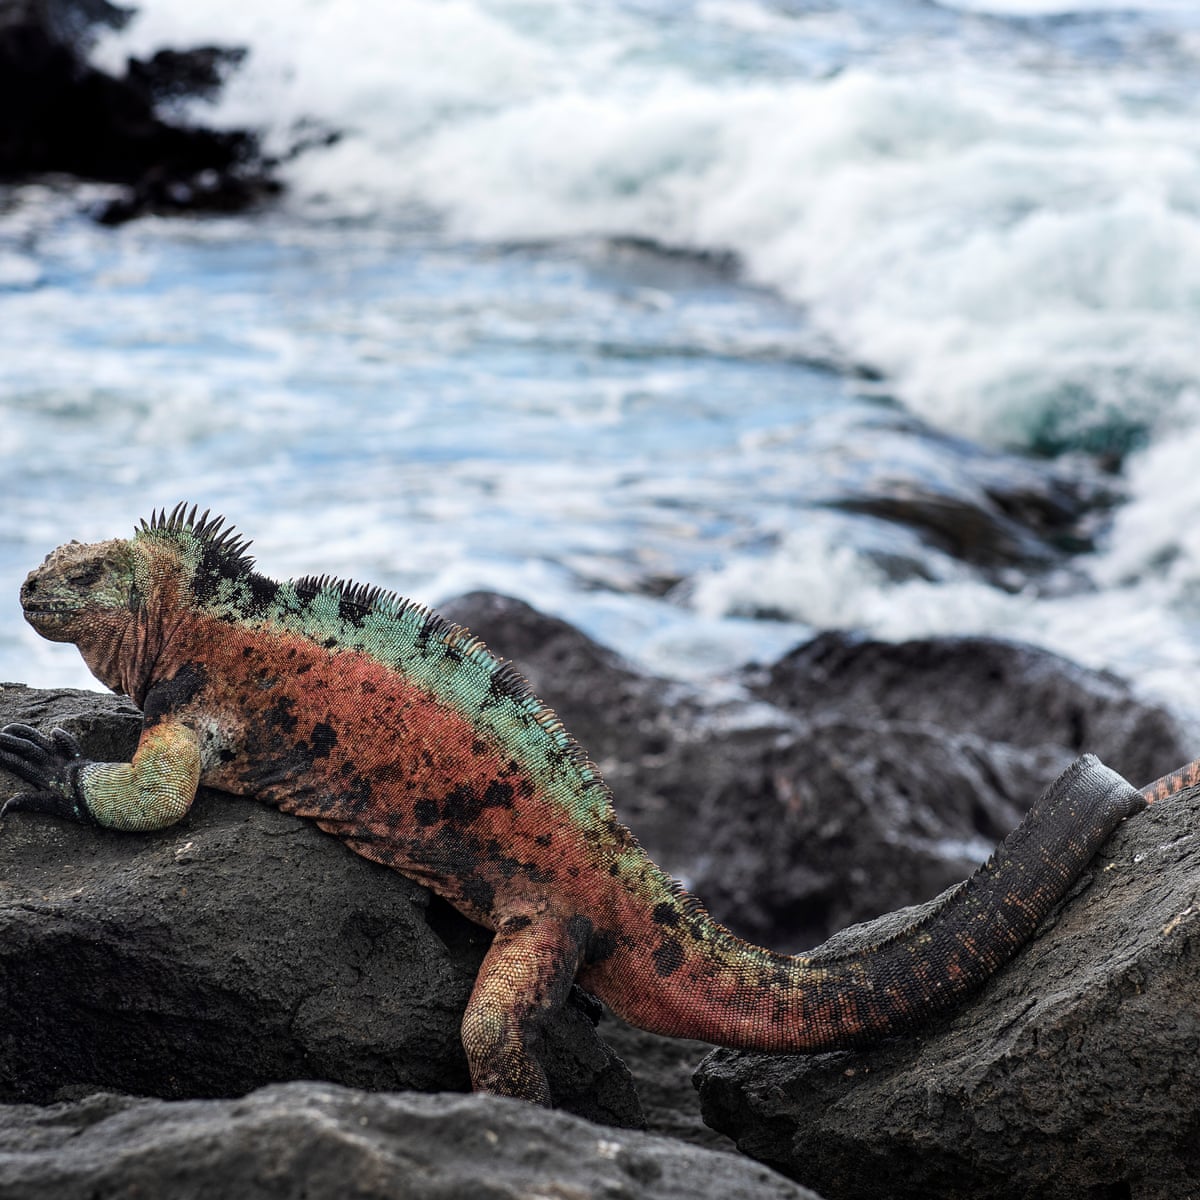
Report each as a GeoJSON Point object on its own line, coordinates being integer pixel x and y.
{"type": "Point", "coordinates": [616, 307]}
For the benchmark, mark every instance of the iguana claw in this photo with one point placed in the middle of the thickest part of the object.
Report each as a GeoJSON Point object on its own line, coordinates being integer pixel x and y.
{"type": "Point", "coordinates": [51, 763]}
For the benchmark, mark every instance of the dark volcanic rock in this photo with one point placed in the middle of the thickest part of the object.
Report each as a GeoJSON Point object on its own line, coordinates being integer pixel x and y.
{"type": "Point", "coordinates": [59, 114]}
{"type": "Point", "coordinates": [326, 1143]}
{"type": "Point", "coordinates": [850, 819]}
{"type": "Point", "coordinates": [1074, 1074]}
{"type": "Point", "coordinates": [996, 690]}
{"type": "Point", "coordinates": [237, 948]}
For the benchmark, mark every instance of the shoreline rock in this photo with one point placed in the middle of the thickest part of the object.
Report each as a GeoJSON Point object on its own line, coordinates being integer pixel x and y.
{"type": "Point", "coordinates": [59, 115]}
{"type": "Point", "coordinates": [325, 1142]}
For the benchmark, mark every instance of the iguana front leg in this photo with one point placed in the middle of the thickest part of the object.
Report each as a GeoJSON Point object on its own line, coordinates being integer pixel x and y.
{"type": "Point", "coordinates": [154, 790]}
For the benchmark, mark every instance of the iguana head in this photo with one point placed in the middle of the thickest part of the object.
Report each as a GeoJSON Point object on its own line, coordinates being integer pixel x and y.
{"type": "Point", "coordinates": [118, 600]}
{"type": "Point", "coordinates": [80, 590]}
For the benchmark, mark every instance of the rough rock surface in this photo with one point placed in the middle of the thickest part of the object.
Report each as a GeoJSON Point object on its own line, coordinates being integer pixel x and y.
{"type": "Point", "coordinates": [237, 948]}
{"type": "Point", "coordinates": [325, 1143]}
{"type": "Point", "coordinates": [1074, 1074]}
{"type": "Point", "coordinates": [996, 690]}
{"type": "Point", "coordinates": [61, 115]}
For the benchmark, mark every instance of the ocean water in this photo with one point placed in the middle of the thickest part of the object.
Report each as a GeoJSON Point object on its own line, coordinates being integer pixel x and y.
{"type": "Point", "coordinates": [625, 307]}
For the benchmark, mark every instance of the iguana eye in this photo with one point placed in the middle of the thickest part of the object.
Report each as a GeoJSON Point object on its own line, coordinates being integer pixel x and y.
{"type": "Point", "coordinates": [87, 575]}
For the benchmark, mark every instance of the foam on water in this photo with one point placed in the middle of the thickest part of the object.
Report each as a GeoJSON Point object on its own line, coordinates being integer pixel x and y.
{"type": "Point", "coordinates": [1018, 249]}
{"type": "Point", "coordinates": [1000, 215]}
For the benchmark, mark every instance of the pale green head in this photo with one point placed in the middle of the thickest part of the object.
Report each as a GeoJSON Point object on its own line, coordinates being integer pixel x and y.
{"type": "Point", "coordinates": [80, 589]}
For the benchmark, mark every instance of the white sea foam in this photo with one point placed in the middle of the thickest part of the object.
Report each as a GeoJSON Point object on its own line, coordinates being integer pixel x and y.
{"type": "Point", "coordinates": [1019, 250]}
{"type": "Point", "coordinates": [1012, 236]}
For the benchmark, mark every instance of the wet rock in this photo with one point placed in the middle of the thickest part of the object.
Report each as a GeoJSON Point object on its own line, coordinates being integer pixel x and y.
{"type": "Point", "coordinates": [239, 947]}
{"type": "Point", "coordinates": [1073, 1074]}
{"type": "Point", "coordinates": [325, 1143]}
{"type": "Point", "coordinates": [61, 115]}
{"type": "Point", "coordinates": [996, 690]}
{"type": "Point", "coordinates": [916, 758]}
{"type": "Point", "coordinates": [1012, 518]}
{"type": "Point", "coordinates": [180, 74]}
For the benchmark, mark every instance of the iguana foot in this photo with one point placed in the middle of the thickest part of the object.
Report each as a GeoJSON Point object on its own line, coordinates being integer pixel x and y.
{"type": "Point", "coordinates": [51, 764]}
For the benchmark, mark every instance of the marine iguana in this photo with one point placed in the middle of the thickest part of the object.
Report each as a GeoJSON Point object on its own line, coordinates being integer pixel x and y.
{"type": "Point", "coordinates": [404, 736]}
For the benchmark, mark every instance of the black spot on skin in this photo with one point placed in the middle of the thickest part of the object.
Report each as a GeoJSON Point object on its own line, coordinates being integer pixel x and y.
{"type": "Point", "coordinates": [358, 793]}
{"type": "Point", "coordinates": [498, 795]}
{"type": "Point", "coordinates": [504, 863]}
{"type": "Point", "coordinates": [668, 957]}
{"type": "Point", "coordinates": [601, 945]}
{"type": "Point", "coordinates": [350, 612]}
{"type": "Point", "coordinates": [478, 747]}
{"type": "Point", "coordinates": [323, 740]}
{"type": "Point", "coordinates": [544, 839]}
{"type": "Point", "coordinates": [480, 893]}
{"type": "Point", "coordinates": [279, 715]}
{"type": "Point", "coordinates": [665, 914]}
{"type": "Point", "coordinates": [525, 789]}
{"type": "Point", "coordinates": [267, 769]}
{"type": "Point", "coordinates": [538, 874]}
{"type": "Point", "coordinates": [262, 592]}
{"type": "Point", "coordinates": [614, 869]}
{"type": "Point", "coordinates": [172, 694]}
{"type": "Point", "coordinates": [461, 805]}
{"type": "Point", "coordinates": [330, 643]}
{"type": "Point", "coordinates": [369, 688]}
{"type": "Point", "coordinates": [516, 924]}
{"type": "Point", "coordinates": [425, 812]}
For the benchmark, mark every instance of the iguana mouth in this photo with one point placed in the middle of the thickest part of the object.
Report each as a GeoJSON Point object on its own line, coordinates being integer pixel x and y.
{"type": "Point", "coordinates": [45, 610]}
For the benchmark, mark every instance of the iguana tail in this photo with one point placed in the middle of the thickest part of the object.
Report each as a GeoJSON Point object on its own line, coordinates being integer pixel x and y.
{"type": "Point", "coordinates": [1186, 777]}
{"type": "Point", "coordinates": [692, 978]}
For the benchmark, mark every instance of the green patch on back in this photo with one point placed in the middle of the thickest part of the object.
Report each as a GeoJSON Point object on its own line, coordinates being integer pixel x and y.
{"type": "Point", "coordinates": [444, 659]}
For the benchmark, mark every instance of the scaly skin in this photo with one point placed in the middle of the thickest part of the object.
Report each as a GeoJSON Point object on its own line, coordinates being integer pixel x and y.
{"type": "Point", "coordinates": [405, 737]}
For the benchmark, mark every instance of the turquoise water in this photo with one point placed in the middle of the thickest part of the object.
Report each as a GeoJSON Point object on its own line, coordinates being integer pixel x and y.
{"type": "Point", "coordinates": [618, 307]}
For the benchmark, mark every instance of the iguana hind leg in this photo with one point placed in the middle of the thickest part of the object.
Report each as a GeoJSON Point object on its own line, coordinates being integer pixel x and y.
{"type": "Point", "coordinates": [523, 980]}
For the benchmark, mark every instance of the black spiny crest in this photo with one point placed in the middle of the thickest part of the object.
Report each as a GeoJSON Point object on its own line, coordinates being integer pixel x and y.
{"type": "Point", "coordinates": [223, 549]}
